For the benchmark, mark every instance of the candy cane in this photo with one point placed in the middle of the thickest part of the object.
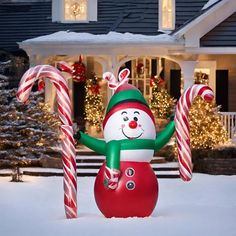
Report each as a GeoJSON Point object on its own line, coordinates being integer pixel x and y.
{"type": "Point", "coordinates": [64, 111]}
{"type": "Point", "coordinates": [113, 83]}
{"type": "Point", "coordinates": [182, 127]}
{"type": "Point", "coordinates": [63, 66]}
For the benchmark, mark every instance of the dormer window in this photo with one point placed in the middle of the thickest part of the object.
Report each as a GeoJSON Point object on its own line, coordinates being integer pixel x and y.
{"type": "Point", "coordinates": [166, 15]}
{"type": "Point", "coordinates": [74, 11]}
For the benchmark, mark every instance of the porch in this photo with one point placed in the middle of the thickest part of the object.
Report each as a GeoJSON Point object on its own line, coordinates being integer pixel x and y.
{"type": "Point", "coordinates": [228, 120]}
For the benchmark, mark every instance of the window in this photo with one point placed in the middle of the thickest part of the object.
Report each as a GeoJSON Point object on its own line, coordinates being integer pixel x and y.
{"type": "Point", "coordinates": [166, 15]}
{"type": "Point", "coordinates": [141, 75]}
{"type": "Point", "coordinates": [74, 11]}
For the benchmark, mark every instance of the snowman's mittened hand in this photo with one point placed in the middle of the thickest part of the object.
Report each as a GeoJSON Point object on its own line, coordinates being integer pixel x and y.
{"type": "Point", "coordinates": [111, 178]}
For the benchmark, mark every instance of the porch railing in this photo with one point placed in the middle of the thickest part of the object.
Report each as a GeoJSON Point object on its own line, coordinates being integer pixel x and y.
{"type": "Point", "coordinates": [228, 119]}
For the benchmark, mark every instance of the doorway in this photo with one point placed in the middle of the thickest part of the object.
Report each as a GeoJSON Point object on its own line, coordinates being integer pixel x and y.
{"type": "Point", "coordinates": [222, 89]}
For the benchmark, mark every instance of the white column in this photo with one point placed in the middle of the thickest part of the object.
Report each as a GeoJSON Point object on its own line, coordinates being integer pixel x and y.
{"type": "Point", "coordinates": [34, 60]}
{"type": "Point", "coordinates": [50, 94]}
{"type": "Point", "coordinates": [187, 71]}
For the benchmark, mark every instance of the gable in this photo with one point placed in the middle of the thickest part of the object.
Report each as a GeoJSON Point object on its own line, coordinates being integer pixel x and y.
{"type": "Point", "coordinates": [205, 22]}
{"type": "Point", "coordinates": [223, 35]}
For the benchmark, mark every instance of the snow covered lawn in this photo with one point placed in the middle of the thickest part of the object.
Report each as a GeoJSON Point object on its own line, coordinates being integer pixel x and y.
{"type": "Point", "coordinates": [206, 206]}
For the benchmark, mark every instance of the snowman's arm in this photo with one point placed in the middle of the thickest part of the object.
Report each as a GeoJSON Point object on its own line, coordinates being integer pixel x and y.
{"type": "Point", "coordinates": [96, 145]}
{"type": "Point", "coordinates": [113, 154]}
{"type": "Point", "coordinates": [112, 168]}
{"type": "Point", "coordinates": [164, 136]}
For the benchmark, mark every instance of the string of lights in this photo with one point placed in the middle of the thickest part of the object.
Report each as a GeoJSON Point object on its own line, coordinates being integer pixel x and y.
{"type": "Point", "coordinates": [94, 108]}
{"type": "Point", "coordinates": [206, 130]}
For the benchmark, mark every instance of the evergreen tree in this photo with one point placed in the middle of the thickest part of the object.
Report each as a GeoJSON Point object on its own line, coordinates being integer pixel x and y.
{"type": "Point", "coordinates": [94, 108]}
{"type": "Point", "coordinates": [206, 130]}
{"type": "Point", "coordinates": [27, 131]}
{"type": "Point", "coordinates": [161, 103]}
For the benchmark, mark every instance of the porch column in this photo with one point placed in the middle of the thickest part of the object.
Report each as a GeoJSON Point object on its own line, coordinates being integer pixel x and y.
{"type": "Point", "coordinates": [187, 71]}
{"type": "Point", "coordinates": [35, 59]}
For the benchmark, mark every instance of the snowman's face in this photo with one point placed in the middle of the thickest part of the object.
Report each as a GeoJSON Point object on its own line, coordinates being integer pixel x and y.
{"type": "Point", "coordinates": [130, 124]}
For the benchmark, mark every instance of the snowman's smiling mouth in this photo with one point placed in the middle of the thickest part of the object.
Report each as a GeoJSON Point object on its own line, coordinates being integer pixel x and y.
{"type": "Point", "coordinates": [129, 137]}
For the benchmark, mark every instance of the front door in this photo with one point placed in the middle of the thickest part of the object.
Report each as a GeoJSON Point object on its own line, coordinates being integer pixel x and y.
{"type": "Point", "coordinates": [222, 77]}
{"type": "Point", "coordinates": [78, 103]}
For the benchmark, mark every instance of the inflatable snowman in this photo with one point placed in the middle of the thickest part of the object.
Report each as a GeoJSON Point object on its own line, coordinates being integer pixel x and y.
{"type": "Point", "coordinates": [126, 185]}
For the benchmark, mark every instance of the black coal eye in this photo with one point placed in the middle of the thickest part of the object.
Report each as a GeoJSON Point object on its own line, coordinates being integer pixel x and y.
{"type": "Point", "coordinates": [125, 118]}
{"type": "Point", "coordinates": [136, 118]}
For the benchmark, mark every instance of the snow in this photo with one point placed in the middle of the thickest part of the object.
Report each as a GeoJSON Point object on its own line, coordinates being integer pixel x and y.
{"type": "Point", "coordinates": [209, 3]}
{"type": "Point", "coordinates": [205, 206]}
{"type": "Point", "coordinates": [110, 38]}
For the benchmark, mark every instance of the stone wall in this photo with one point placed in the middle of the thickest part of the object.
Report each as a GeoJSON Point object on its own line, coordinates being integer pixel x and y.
{"type": "Point", "coordinates": [216, 162]}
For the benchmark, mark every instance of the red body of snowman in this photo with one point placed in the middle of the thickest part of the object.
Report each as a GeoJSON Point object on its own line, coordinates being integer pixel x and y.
{"type": "Point", "coordinates": [135, 196]}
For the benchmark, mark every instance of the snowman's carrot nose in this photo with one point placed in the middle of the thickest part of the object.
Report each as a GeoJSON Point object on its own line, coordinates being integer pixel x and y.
{"type": "Point", "coordinates": [133, 124]}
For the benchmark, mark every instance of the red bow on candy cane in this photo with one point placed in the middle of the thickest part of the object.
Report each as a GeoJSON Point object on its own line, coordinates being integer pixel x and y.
{"type": "Point", "coordinates": [113, 83]}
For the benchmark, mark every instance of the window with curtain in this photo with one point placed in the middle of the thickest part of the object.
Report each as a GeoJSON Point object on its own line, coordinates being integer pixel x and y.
{"type": "Point", "coordinates": [166, 15]}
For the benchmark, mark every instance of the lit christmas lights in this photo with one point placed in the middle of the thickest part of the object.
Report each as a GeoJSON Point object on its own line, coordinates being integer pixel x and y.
{"type": "Point", "coordinates": [206, 130]}
{"type": "Point", "coordinates": [161, 103]}
{"type": "Point", "coordinates": [94, 108]}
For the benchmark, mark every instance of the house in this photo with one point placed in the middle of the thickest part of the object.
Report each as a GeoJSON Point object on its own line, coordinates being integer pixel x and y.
{"type": "Point", "coordinates": [183, 40]}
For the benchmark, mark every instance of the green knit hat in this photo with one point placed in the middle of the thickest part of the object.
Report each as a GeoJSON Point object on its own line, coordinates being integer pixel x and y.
{"type": "Point", "coordinates": [127, 96]}
{"type": "Point", "coordinates": [124, 93]}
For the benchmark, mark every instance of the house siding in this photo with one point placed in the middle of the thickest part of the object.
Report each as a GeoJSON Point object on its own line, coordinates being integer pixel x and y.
{"type": "Point", "coordinates": [223, 35]}
{"type": "Point", "coordinates": [23, 20]}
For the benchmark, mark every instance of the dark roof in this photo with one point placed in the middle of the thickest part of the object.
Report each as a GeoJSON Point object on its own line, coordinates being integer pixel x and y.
{"type": "Point", "coordinates": [187, 10]}
{"type": "Point", "coordinates": [223, 35]}
{"type": "Point", "coordinates": [23, 20]}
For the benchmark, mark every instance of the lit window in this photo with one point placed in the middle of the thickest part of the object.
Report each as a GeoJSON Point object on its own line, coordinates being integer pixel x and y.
{"type": "Point", "coordinates": [166, 15]}
{"type": "Point", "coordinates": [74, 11]}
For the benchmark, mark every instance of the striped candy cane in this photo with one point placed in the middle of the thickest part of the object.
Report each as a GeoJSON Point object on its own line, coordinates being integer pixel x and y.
{"type": "Point", "coordinates": [64, 111]}
{"type": "Point", "coordinates": [111, 177]}
{"type": "Point", "coordinates": [182, 127]}
{"type": "Point", "coordinates": [113, 83]}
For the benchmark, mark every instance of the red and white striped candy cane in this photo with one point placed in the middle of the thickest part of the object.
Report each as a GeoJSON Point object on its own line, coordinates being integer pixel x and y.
{"type": "Point", "coordinates": [111, 177]}
{"type": "Point", "coordinates": [63, 66]}
{"type": "Point", "coordinates": [64, 111]}
{"type": "Point", "coordinates": [182, 126]}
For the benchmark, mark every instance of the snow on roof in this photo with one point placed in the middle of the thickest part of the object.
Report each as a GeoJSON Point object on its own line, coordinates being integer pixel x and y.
{"type": "Point", "coordinates": [110, 38]}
